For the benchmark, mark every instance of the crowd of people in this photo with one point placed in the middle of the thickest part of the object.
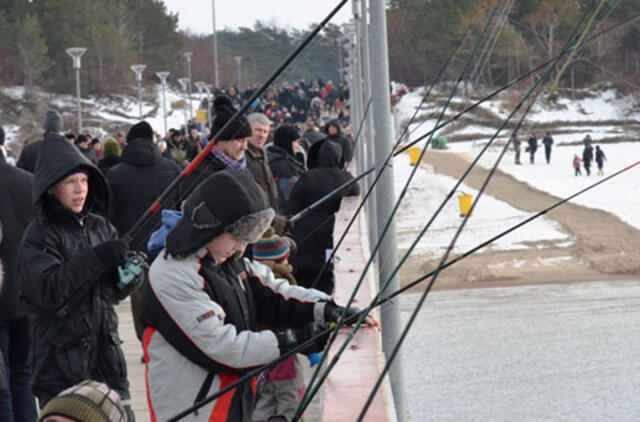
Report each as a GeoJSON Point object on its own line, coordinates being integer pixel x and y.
{"type": "Point", "coordinates": [220, 279]}
{"type": "Point", "coordinates": [588, 153]}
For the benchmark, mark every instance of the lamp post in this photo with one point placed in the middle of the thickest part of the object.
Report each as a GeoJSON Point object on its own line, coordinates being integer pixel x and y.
{"type": "Point", "coordinates": [207, 89]}
{"type": "Point", "coordinates": [138, 69]}
{"type": "Point", "coordinates": [163, 80]}
{"type": "Point", "coordinates": [184, 83]}
{"type": "Point", "coordinates": [216, 77]}
{"type": "Point", "coordinates": [239, 61]}
{"type": "Point", "coordinates": [76, 53]}
{"type": "Point", "coordinates": [188, 55]}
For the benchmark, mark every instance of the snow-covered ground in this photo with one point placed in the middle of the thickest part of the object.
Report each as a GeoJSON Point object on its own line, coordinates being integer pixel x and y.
{"type": "Point", "coordinates": [491, 216]}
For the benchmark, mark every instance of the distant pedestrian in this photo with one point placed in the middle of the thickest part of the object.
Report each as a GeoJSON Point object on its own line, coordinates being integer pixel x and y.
{"type": "Point", "coordinates": [600, 159]}
{"type": "Point", "coordinates": [587, 158]}
{"type": "Point", "coordinates": [532, 147]}
{"type": "Point", "coordinates": [577, 164]}
{"type": "Point", "coordinates": [516, 147]}
{"type": "Point", "coordinates": [548, 142]}
{"type": "Point", "coordinates": [587, 141]}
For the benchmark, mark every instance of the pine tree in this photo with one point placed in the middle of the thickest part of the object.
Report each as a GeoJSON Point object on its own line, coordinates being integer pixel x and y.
{"type": "Point", "coordinates": [32, 50]}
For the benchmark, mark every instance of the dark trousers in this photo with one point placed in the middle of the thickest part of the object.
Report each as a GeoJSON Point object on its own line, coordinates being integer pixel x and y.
{"type": "Point", "coordinates": [17, 403]}
{"type": "Point", "coordinates": [578, 172]}
{"type": "Point", "coordinates": [587, 167]}
{"type": "Point", "coordinates": [325, 281]}
{"type": "Point", "coordinates": [547, 153]}
{"type": "Point", "coordinates": [532, 156]}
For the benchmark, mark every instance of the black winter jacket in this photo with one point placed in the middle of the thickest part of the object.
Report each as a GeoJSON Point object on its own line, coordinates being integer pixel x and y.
{"type": "Point", "coordinates": [138, 180]}
{"type": "Point", "coordinates": [16, 212]}
{"type": "Point", "coordinates": [286, 170]}
{"type": "Point", "coordinates": [345, 143]}
{"type": "Point", "coordinates": [29, 156]}
{"type": "Point", "coordinates": [56, 259]}
{"type": "Point", "coordinates": [314, 232]}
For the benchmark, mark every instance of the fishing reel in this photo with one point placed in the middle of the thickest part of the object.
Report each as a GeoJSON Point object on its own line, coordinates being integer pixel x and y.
{"type": "Point", "coordinates": [132, 269]}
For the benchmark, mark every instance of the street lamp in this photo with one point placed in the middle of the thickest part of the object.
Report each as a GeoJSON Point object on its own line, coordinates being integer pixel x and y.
{"type": "Point", "coordinates": [163, 80]}
{"type": "Point", "coordinates": [188, 55]}
{"type": "Point", "coordinates": [184, 83]}
{"type": "Point", "coordinates": [216, 77]}
{"type": "Point", "coordinates": [239, 61]}
{"type": "Point", "coordinates": [138, 69]}
{"type": "Point", "coordinates": [76, 53]}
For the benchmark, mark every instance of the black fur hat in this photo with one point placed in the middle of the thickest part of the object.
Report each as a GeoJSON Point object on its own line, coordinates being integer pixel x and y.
{"type": "Point", "coordinates": [224, 110]}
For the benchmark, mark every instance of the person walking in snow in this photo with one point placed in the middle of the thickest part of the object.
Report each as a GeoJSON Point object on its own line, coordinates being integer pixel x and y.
{"type": "Point", "coordinates": [587, 158]}
{"type": "Point", "coordinates": [532, 147]}
{"type": "Point", "coordinates": [600, 159]}
{"type": "Point", "coordinates": [577, 164]}
{"type": "Point", "coordinates": [516, 147]}
{"type": "Point", "coordinates": [548, 142]}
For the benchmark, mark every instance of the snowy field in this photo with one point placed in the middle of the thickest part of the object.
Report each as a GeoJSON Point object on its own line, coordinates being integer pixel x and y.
{"type": "Point", "coordinates": [566, 352]}
{"type": "Point", "coordinates": [490, 218]}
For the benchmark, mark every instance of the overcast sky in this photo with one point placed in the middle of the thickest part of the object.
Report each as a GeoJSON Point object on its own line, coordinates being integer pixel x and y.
{"type": "Point", "coordinates": [196, 16]}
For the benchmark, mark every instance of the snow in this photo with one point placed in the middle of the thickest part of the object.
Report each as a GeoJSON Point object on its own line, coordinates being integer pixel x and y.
{"type": "Point", "coordinates": [490, 217]}
{"type": "Point", "coordinates": [619, 196]}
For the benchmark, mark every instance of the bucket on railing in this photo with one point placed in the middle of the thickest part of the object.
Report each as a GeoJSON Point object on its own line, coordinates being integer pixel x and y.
{"type": "Point", "coordinates": [414, 155]}
{"type": "Point", "coordinates": [465, 202]}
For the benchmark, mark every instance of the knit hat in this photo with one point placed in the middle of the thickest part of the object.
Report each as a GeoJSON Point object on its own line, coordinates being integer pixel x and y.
{"type": "Point", "coordinates": [271, 247]}
{"type": "Point", "coordinates": [52, 121]}
{"type": "Point", "coordinates": [141, 130]}
{"type": "Point", "coordinates": [224, 110]}
{"type": "Point", "coordinates": [1, 136]}
{"type": "Point", "coordinates": [284, 136]}
{"type": "Point", "coordinates": [89, 401]}
{"type": "Point", "coordinates": [229, 201]}
{"type": "Point", "coordinates": [111, 148]}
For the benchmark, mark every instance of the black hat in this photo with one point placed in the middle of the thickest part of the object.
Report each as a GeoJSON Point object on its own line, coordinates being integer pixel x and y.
{"type": "Point", "coordinates": [1, 136]}
{"type": "Point", "coordinates": [224, 110]}
{"type": "Point", "coordinates": [141, 130]}
{"type": "Point", "coordinates": [229, 201]}
{"type": "Point", "coordinates": [284, 136]}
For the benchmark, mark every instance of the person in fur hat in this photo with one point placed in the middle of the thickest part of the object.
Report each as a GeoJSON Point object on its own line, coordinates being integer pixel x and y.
{"type": "Point", "coordinates": [204, 301]}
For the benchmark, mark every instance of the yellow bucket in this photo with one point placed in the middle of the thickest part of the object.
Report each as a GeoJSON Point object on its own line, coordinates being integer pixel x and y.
{"type": "Point", "coordinates": [414, 155]}
{"type": "Point", "coordinates": [201, 115]}
{"type": "Point", "coordinates": [465, 204]}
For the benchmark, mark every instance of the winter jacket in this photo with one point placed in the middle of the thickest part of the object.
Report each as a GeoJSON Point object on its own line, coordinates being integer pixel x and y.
{"type": "Point", "coordinates": [56, 259]}
{"type": "Point", "coordinates": [200, 336]}
{"type": "Point", "coordinates": [90, 153]}
{"type": "Point", "coordinates": [286, 170]}
{"type": "Point", "coordinates": [313, 136]}
{"type": "Point", "coordinates": [600, 157]}
{"type": "Point", "coordinates": [314, 232]}
{"type": "Point", "coordinates": [533, 144]}
{"type": "Point", "coordinates": [105, 164]}
{"type": "Point", "coordinates": [345, 143]}
{"type": "Point", "coordinates": [259, 169]}
{"type": "Point", "coordinates": [587, 154]}
{"type": "Point", "coordinates": [16, 212]}
{"type": "Point", "coordinates": [136, 182]}
{"type": "Point", "coordinates": [547, 141]}
{"type": "Point", "coordinates": [576, 162]}
{"type": "Point", "coordinates": [29, 156]}
{"type": "Point", "coordinates": [181, 152]}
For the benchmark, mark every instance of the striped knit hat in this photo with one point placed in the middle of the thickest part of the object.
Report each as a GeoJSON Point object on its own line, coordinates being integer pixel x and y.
{"type": "Point", "coordinates": [89, 401]}
{"type": "Point", "coordinates": [271, 247]}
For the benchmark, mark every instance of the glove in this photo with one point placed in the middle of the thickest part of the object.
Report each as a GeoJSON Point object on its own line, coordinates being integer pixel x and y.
{"type": "Point", "coordinates": [281, 224]}
{"type": "Point", "coordinates": [112, 252]}
{"type": "Point", "coordinates": [333, 312]}
{"type": "Point", "coordinates": [290, 338]}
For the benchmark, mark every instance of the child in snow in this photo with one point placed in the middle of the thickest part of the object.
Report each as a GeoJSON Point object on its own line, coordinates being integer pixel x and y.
{"type": "Point", "coordinates": [577, 165]}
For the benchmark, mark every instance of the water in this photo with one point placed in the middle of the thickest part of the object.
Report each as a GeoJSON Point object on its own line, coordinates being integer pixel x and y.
{"type": "Point", "coordinates": [568, 352]}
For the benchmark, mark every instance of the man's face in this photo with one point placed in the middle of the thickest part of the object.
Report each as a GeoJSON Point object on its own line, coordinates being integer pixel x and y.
{"type": "Point", "coordinates": [234, 149]}
{"type": "Point", "coordinates": [195, 134]}
{"type": "Point", "coordinates": [260, 133]}
{"type": "Point", "coordinates": [120, 139]}
{"type": "Point", "coordinates": [333, 130]}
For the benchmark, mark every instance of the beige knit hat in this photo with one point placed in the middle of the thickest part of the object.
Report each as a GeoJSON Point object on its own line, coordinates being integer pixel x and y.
{"type": "Point", "coordinates": [89, 401]}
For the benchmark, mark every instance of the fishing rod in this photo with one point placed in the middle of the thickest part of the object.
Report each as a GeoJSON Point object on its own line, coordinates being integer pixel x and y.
{"type": "Point", "coordinates": [328, 196]}
{"type": "Point", "coordinates": [514, 82]}
{"type": "Point", "coordinates": [158, 203]}
{"type": "Point", "coordinates": [312, 389]}
{"type": "Point", "coordinates": [376, 302]}
{"type": "Point", "coordinates": [445, 257]}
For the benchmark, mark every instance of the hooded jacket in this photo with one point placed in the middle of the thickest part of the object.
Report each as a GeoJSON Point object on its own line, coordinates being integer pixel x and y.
{"type": "Point", "coordinates": [56, 259]}
{"type": "Point", "coordinates": [140, 177]}
{"type": "Point", "coordinates": [16, 212]}
{"type": "Point", "coordinates": [314, 232]}
{"type": "Point", "coordinates": [259, 169]}
{"type": "Point", "coordinates": [345, 143]}
{"type": "Point", "coordinates": [286, 170]}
